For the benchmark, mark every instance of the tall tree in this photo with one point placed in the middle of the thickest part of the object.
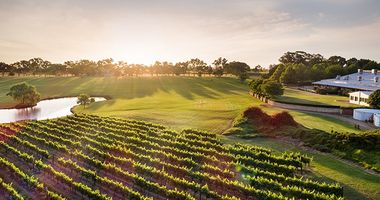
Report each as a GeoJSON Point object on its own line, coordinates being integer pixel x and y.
{"type": "Point", "coordinates": [299, 57]}
{"type": "Point", "coordinates": [337, 60]}
{"type": "Point", "coordinates": [180, 68]}
{"type": "Point", "coordinates": [277, 73]}
{"type": "Point", "coordinates": [239, 69]}
{"type": "Point", "coordinates": [106, 67]}
{"type": "Point", "coordinates": [220, 65]}
{"type": "Point", "coordinates": [198, 66]}
{"type": "Point", "coordinates": [25, 93]}
{"type": "Point", "coordinates": [288, 76]}
{"type": "Point", "coordinates": [4, 67]}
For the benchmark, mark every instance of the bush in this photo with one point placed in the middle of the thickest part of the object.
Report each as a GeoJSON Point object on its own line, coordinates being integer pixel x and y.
{"type": "Point", "coordinates": [321, 90]}
{"type": "Point", "coordinates": [374, 99]}
{"type": "Point", "coordinates": [256, 113]}
{"type": "Point", "coordinates": [272, 88]}
{"type": "Point", "coordinates": [282, 119]}
{"type": "Point", "coordinates": [277, 120]}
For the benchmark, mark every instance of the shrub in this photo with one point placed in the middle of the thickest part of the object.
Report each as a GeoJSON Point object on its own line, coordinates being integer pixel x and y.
{"type": "Point", "coordinates": [374, 99]}
{"type": "Point", "coordinates": [256, 113]}
{"type": "Point", "coordinates": [282, 119]}
{"type": "Point", "coordinates": [272, 88]}
{"type": "Point", "coordinates": [277, 120]}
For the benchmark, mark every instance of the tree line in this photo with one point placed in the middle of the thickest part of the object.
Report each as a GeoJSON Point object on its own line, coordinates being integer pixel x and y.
{"type": "Point", "coordinates": [300, 67]}
{"type": "Point", "coordinates": [108, 67]}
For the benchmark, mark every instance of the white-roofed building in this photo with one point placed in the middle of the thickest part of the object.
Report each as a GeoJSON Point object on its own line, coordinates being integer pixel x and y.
{"type": "Point", "coordinates": [366, 80]}
{"type": "Point", "coordinates": [360, 97]}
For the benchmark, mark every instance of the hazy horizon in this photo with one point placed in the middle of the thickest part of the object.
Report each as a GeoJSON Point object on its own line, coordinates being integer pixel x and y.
{"type": "Point", "coordinates": [256, 32]}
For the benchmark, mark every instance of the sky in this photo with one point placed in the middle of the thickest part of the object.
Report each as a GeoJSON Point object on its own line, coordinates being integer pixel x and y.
{"type": "Point", "coordinates": [251, 31]}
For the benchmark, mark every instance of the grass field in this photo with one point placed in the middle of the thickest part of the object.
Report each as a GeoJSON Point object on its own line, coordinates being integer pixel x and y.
{"type": "Point", "coordinates": [357, 183]}
{"type": "Point", "coordinates": [179, 102]}
{"type": "Point", "coordinates": [293, 95]}
{"type": "Point", "coordinates": [207, 103]}
{"type": "Point", "coordinates": [310, 120]}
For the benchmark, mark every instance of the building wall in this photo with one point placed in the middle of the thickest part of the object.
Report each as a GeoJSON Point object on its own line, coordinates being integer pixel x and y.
{"type": "Point", "coordinates": [359, 98]}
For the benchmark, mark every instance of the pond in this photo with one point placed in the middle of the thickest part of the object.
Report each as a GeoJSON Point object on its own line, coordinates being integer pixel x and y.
{"type": "Point", "coordinates": [45, 109]}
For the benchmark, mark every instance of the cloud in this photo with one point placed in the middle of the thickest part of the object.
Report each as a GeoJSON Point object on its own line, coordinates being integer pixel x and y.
{"type": "Point", "coordinates": [257, 32]}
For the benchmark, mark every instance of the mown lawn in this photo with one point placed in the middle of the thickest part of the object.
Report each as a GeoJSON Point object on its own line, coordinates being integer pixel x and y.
{"type": "Point", "coordinates": [293, 95]}
{"type": "Point", "coordinates": [357, 183]}
{"type": "Point", "coordinates": [179, 102]}
{"type": "Point", "coordinates": [310, 120]}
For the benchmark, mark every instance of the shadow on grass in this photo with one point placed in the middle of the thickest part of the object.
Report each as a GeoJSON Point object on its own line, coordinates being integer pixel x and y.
{"type": "Point", "coordinates": [130, 87]}
{"type": "Point", "coordinates": [287, 99]}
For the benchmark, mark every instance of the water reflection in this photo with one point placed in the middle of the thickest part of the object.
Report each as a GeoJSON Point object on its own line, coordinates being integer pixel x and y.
{"type": "Point", "coordinates": [46, 109]}
{"type": "Point", "coordinates": [27, 113]}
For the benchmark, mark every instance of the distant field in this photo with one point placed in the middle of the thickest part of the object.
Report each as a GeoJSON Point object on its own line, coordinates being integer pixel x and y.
{"type": "Point", "coordinates": [205, 103]}
{"type": "Point", "coordinates": [293, 95]}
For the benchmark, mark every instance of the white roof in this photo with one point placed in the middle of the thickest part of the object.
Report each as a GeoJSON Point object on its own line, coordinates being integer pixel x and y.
{"type": "Point", "coordinates": [362, 92]}
{"type": "Point", "coordinates": [351, 81]}
{"type": "Point", "coordinates": [367, 110]}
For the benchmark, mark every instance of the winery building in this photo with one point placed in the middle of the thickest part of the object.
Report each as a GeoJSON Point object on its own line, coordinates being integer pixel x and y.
{"type": "Point", "coordinates": [364, 80]}
{"type": "Point", "coordinates": [361, 85]}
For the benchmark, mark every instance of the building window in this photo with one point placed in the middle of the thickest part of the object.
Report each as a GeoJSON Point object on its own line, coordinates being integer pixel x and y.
{"type": "Point", "coordinates": [356, 98]}
{"type": "Point", "coordinates": [352, 97]}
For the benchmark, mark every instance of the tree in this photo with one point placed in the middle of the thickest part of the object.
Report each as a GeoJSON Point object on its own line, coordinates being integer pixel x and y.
{"type": "Point", "coordinates": [272, 69]}
{"type": "Point", "coordinates": [301, 72]}
{"type": "Point", "coordinates": [337, 60]}
{"type": "Point", "coordinates": [318, 71]}
{"type": "Point", "coordinates": [25, 93]}
{"type": "Point", "coordinates": [374, 99]}
{"type": "Point", "coordinates": [272, 88]}
{"type": "Point", "coordinates": [84, 99]}
{"type": "Point", "coordinates": [4, 67]}
{"type": "Point", "coordinates": [198, 66]}
{"type": "Point", "coordinates": [255, 85]}
{"type": "Point", "coordinates": [299, 57]}
{"type": "Point", "coordinates": [106, 67]}
{"type": "Point", "coordinates": [220, 65]}
{"type": "Point", "coordinates": [218, 72]}
{"type": "Point", "coordinates": [239, 69]}
{"type": "Point", "coordinates": [180, 68]}
{"type": "Point", "coordinates": [277, 73]}
{"type": "Point", "coordinates": [288, 76]}
{"type": "Point", "coordinates": [333, 70]}
{"type": "Point", "coordinates": [258, 68]}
